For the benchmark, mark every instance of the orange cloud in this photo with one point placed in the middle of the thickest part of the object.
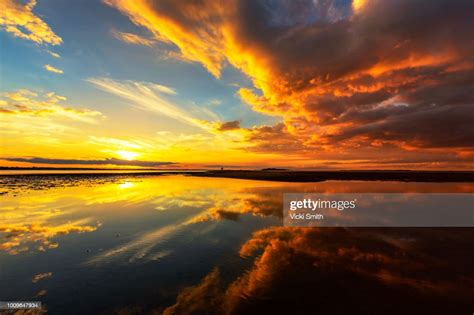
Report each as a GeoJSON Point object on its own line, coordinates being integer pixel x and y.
{"type": "Point", "coordinates": [18, 237]}
{"type": "Point", "coordinates": [130, 38]}
{"type": "Point", "coordinates": [41, 276]}
{"type": "Point", "coordinates": [339, 75]}
{"type": "Point", "coordinates": [19, 20]}
{"type": "Point", "coordinates": [191, 46]}
{"type": "Point", "coordinates": [199, 299]}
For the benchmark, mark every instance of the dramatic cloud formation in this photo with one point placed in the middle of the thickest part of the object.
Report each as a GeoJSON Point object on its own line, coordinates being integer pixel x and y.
{"type": "Point", "coordinates": [53, 69]}
{"type": "Point", "coordinates": [387, 75]}
{"type": "Point", "coordinates": [109, 161]}
{"type": "Point", "coordinates": [274, 139]}
{"type": "Point", "coordinates": [19, 20]}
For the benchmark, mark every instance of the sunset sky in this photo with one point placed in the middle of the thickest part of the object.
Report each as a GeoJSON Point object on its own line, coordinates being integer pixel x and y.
{"type": "Point", "coordinates": [328, 84]}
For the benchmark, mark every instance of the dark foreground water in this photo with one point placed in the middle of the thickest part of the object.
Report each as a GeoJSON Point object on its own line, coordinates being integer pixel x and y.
{"type": "Point", "coordinates": [189, 245]}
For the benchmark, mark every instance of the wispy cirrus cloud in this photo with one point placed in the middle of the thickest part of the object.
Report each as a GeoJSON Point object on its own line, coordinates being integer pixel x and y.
{"type": "Point", "coordinates": [151, 97]}
{"type": "Point", "coordinates": [131, 38]}
{"type": "Point", "coordinates": [19, 20]}
{"type": "Point", "coordinates": [53, 69]}
{"type": "Point", "coordinates": [54, 54]}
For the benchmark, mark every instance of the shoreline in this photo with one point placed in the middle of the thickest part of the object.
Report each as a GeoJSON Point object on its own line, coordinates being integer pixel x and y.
{"type": "Point", "coordinates": [319, 176]}
{"type": "Point", "coordinates": [283, 175]}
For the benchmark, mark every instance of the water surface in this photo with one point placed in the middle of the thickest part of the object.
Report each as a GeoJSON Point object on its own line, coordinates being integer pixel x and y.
{"type": "Point", "coordinates": [182, 244]}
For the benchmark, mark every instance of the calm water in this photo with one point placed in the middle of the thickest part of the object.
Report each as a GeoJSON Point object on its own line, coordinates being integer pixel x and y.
{"type": "Point", "coordinates": [191, 245]}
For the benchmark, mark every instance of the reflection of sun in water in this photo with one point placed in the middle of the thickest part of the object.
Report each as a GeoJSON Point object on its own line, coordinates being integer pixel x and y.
{"type": "Point", "coordinates": [358, 5]}
{"type": "Point", "coordinates": [125, 185]}
{"type": "Point", "coordinates": [126, 155]}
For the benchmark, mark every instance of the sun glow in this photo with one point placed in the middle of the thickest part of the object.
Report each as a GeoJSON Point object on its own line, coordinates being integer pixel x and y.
{"type": "Point", "coordinates": [126, 185]}
{"type": "Point", "coordinates": [126, 155]}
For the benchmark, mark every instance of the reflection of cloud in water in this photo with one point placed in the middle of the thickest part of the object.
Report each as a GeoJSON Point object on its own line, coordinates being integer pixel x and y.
{"type": "Point", "coordinates": [310, 266]}
{"type": "Point", "coordinates": [37, 217]}
{"type": "Point", "coordinates": [215, 201]}
{"type": "Point", "coordinates": [204, 298]}
{"type": "Point", "coordinates": [41, 293]}
{"type": "Point", "coordinates": [331, 270]}
{"type": "Point", "coordinates": [41, 311]}
{"type": "Point", "coordinates": [16, 238]}
{"type": "Point", "coordinates": [143, 246]}
{"type": "Point", "coordinates": [42, 276]}
{"type": "Point", "coordinates": [261, 201]}
{"type": "Point", "coordinates": [216, 205]}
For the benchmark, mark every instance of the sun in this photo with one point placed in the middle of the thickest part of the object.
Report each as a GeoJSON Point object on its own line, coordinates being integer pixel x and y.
{"type": "Point", "coordinates": [126, 155]}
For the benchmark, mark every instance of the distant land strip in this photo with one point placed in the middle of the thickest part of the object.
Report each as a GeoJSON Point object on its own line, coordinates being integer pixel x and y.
{"type": "Point", "coordinates": [317, 176]}
{"type": "Point", "coordinates": [287, 175]}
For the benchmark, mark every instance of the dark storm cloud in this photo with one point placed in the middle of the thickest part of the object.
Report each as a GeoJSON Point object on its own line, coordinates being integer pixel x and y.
{"type": "Point", "coordinates": [446, 126]}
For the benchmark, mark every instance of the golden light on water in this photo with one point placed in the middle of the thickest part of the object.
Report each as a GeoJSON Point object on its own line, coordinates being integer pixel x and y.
{"type": "Point", "coordinates": [358, 5]}
{"type": "Point", "coordinates": [33, 220]}
{"type": "Point", "coordinates": [126, 185]}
